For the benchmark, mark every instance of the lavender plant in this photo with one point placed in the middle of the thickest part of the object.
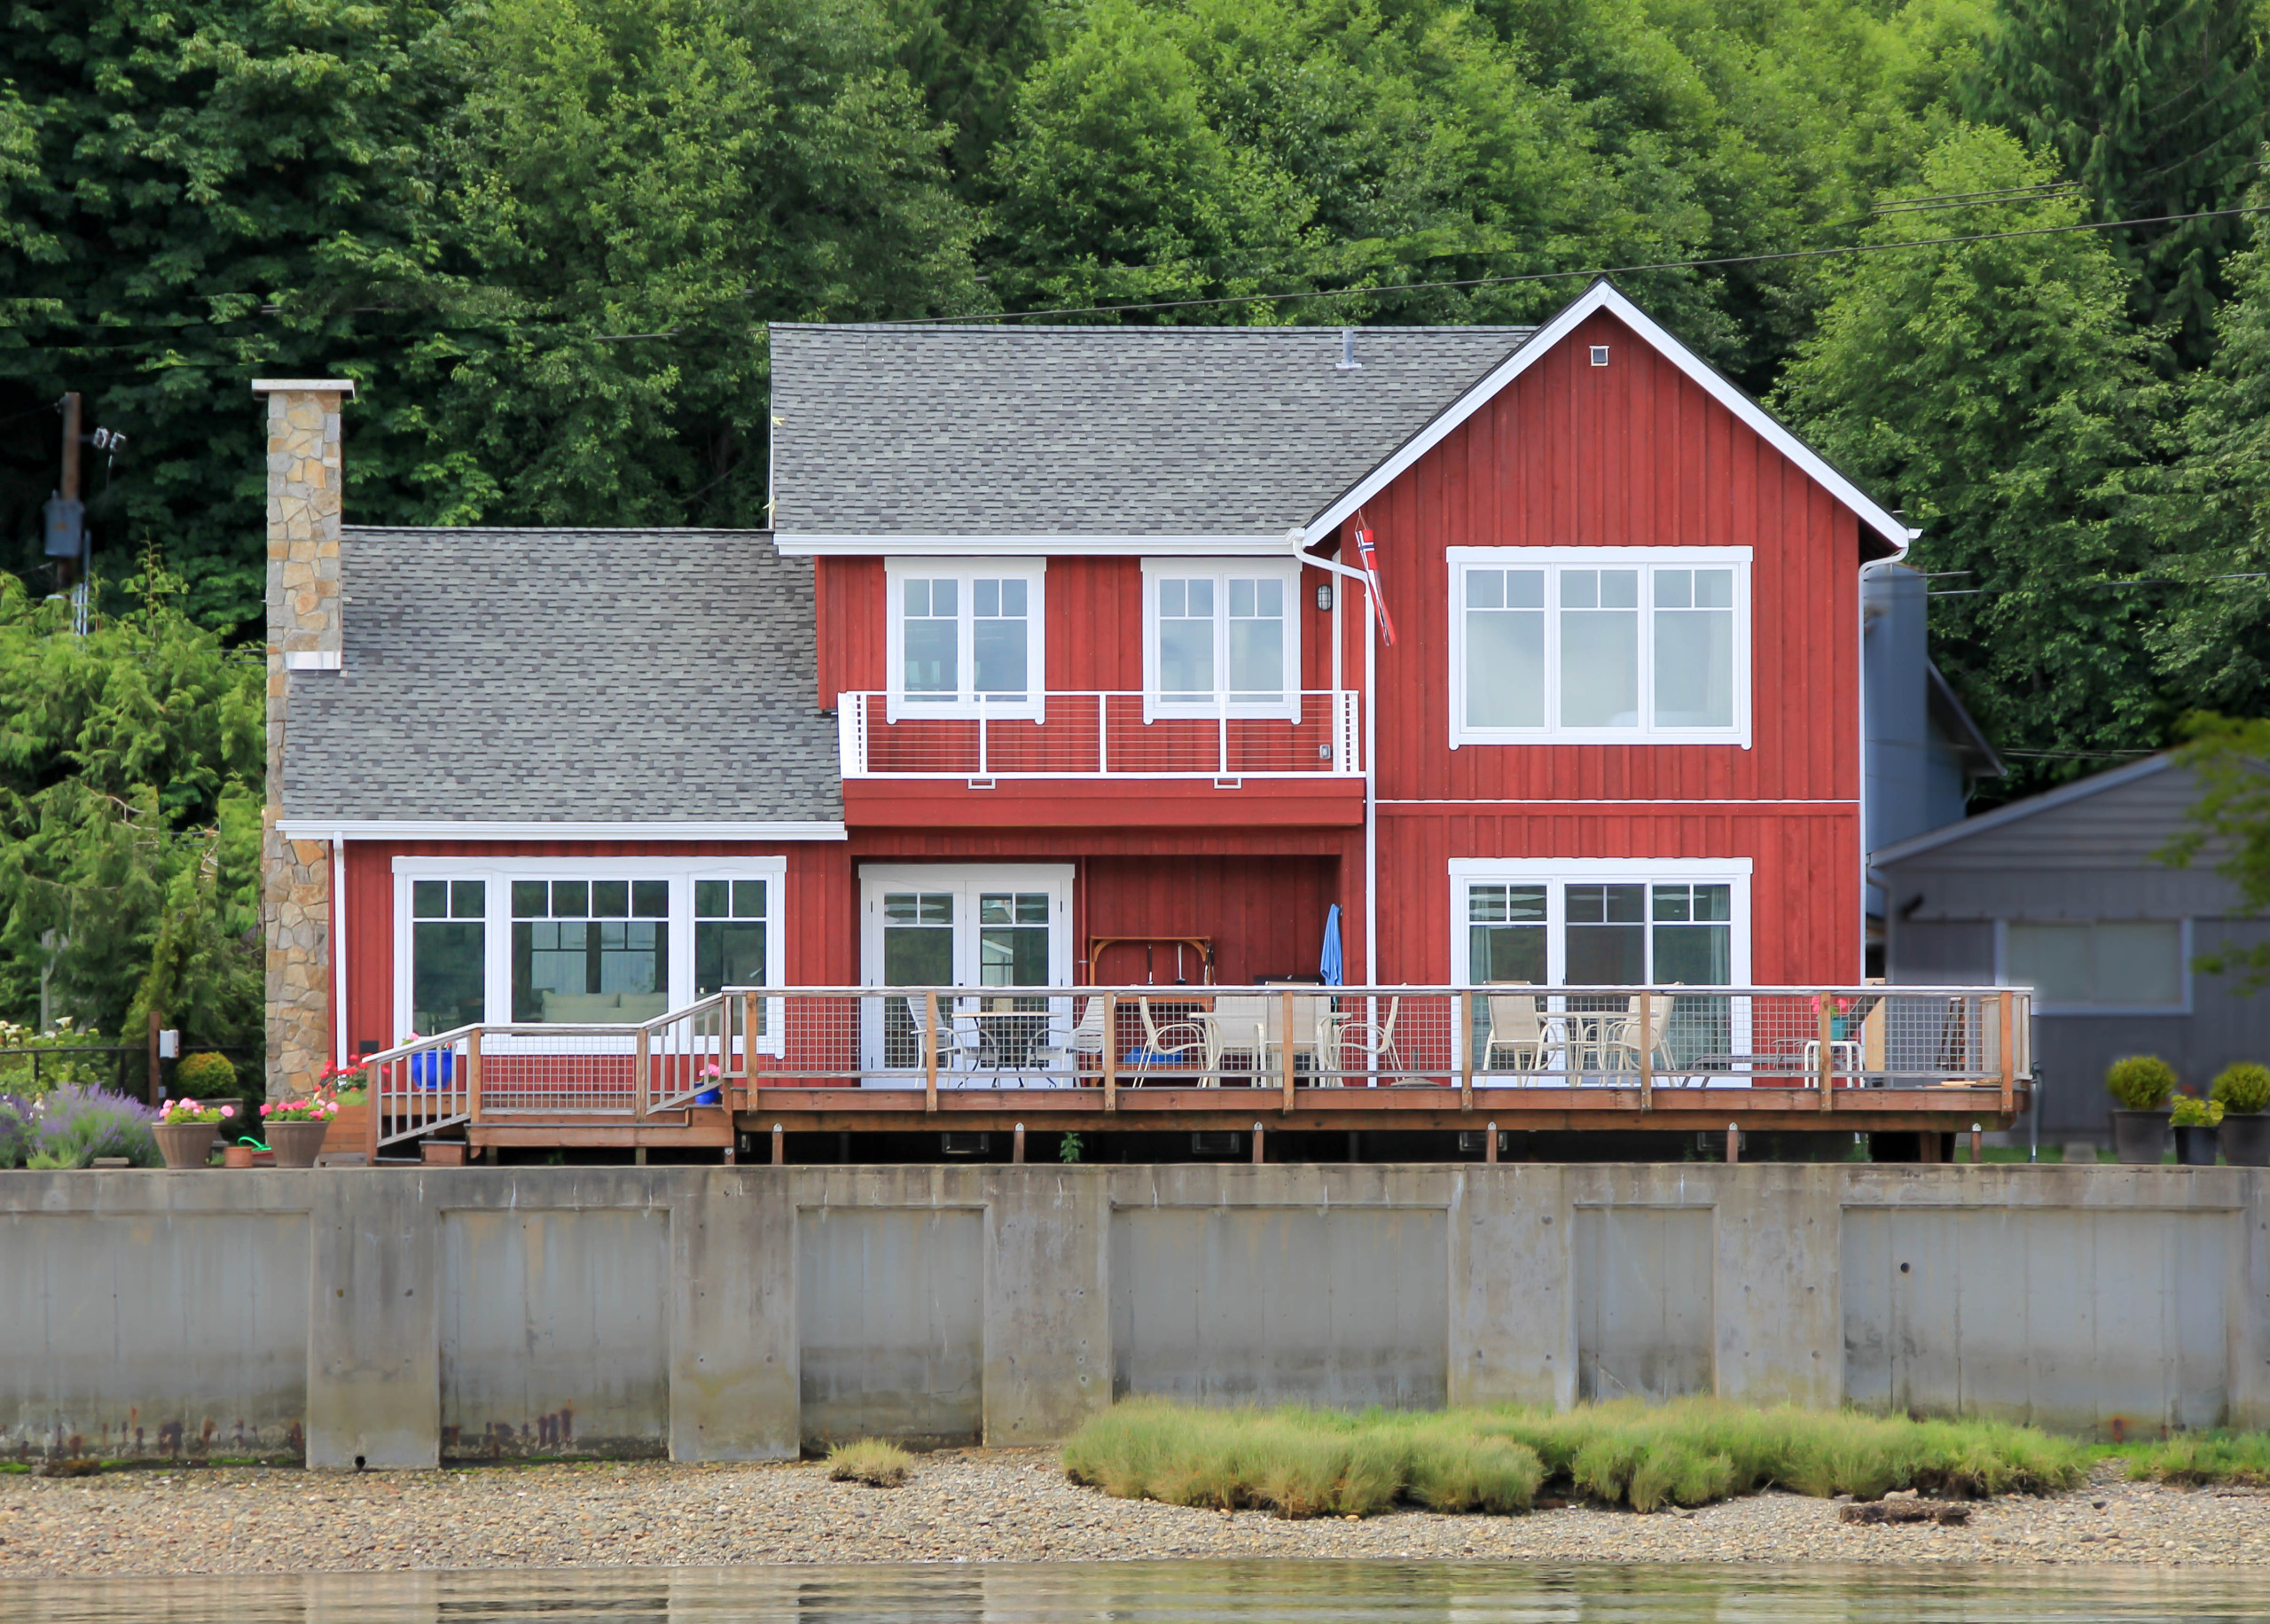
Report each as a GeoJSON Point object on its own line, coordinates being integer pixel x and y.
{"type": "Point", "coordinates": [15, 1130]}
{"type": "Point", "coordinates": [72, 1126]}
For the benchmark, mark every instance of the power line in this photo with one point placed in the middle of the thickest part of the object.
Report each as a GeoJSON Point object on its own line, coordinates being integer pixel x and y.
{"type": "Point", "coordinates": [1561, 275]}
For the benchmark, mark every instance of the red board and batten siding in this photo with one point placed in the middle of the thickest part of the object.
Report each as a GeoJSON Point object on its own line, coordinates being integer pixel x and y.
{"type": "Point", "coordinates": [1632, 454]}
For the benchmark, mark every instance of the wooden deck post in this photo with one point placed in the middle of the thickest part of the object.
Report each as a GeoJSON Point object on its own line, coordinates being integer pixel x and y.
{"type": "Point", "coordinates": [780, 1145]}
{"type": "Point", "coordinates": [1733, 1144]}
{"type": "Point", "coordinates": [1111, 1052]}
{"type": "Point", "coordinates": [1258, 1158]}
{"type": "Point", "coordinates": [1490, 1151]}
{"type": "Point", "coordinates": [2009, 1052]}
{"type": "Point", "coordinates": [371, 1116]}
{"type": "Point", "coordinates": [748, 1051]}
{"type": "Point", "coordinates": [640, 1094]}
{"type": "Point", "coordinates": [1466, 1057]}
{"type": "Point", "coordinates": [1827, 1060]}
{"type": "Point", "coordinates": [930, 1051]}
{"type": "Point", "coordinates": [473, 1076]}
{"type": "Point", "coordinates": [1647, 1049]}
{"type": "Point", "coordinates": [1287, 1047]}
{"type": "Point", "coordinates": [1017, 1146]}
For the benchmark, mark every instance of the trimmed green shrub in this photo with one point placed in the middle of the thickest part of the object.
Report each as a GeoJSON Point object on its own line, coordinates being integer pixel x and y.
{"type": "Point", "coordinates": [2242, 1087]}
{"type": "Point", "coordinates": [2192, 1111]}
{"type": "Point", "coordinates": [200, 1074]}
{"type": "Point", "coordinates": [2140, 1082]}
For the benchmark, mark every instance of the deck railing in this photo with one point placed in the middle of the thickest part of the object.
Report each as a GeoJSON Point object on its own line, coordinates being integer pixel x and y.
{"type": "Point", "coordinates": [1290, 1040]}
{"type": "Point", "coordinates": [1102, 735]}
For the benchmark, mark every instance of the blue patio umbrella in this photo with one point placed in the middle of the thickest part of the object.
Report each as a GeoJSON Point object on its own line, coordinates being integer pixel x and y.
{"type": "Point", "coordinates": [1330, 965]}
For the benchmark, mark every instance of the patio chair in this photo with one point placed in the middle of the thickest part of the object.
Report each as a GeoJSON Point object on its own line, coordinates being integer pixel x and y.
{"type": "Point", "coordinates": [1622, 1045]}
{"type": "Point", "coordinates": [1073, 1050]}
{"type": "Point", "coordinates": [1376, 1041]}
{"type": "Point", "coordinates": [1175, 1042]}
{"type": "Point", "coordinates": [1237, 1024]}
{"type": "Point", "coordinates": [1518, 1029]}
{"type": "Point", "coordinates": [1315, 1034]}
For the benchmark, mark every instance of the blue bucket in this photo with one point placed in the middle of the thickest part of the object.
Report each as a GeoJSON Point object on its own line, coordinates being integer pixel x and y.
{"type": "Point", "coordinates": [432, 1068]}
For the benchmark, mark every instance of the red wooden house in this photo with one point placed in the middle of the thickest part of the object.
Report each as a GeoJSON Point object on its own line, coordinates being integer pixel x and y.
{"type": "Point", "coordinates": [1064, 664]}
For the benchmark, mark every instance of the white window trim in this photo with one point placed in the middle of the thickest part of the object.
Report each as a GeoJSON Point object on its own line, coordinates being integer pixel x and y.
{"type": "Point", "coordinates": [1054, 877]}
{"type": "Point", "coordinates": [1033, 572]}
{"type": "Point", "coordinates": [499, 872]}
{"type": "Point", "coordinates": [2043, 1007]}
{"type": "Point", "coordinates": [1737, 558]}
{"type": "Point", "coordinates": [1556, 874]}
{"type": "Point", "coordinates": [1288, 570]}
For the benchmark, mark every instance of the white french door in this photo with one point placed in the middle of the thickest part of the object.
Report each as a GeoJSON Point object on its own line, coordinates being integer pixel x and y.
{"type": "Point", "coordinates": [968, 925]}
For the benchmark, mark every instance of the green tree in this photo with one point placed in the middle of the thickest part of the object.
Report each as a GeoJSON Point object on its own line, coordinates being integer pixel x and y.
{"type": "Point", "coordinates": [2231, 817]}
{"type": "Point", "coordinates": [2156, 107]}
{"type": "Point", "coordinates": [190, 196]}
{"type": "Point", "coordinates": [131, 764]}
{"type": "Point", "coordinates": [2213, 634]}
{"type": "Point", "coordinates": [1998, 391]}
{"type": "Point", "coordinates": [630, 187]}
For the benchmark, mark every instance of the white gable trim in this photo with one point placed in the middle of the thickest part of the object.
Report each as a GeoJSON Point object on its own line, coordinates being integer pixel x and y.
{"type": "Point", "coordinates": [2018, 810]}
{"type": "Point", "coordinates": [1602, 295]}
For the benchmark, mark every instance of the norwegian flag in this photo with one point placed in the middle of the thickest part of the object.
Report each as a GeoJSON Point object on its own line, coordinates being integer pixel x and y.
{"type": "Point", "coordinates": [1370, 560]}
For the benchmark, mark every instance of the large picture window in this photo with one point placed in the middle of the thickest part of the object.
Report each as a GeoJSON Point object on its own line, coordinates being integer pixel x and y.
{"type": "Point", "coordinates": [1221, 637]}
{"type": "Point", "coordinates": [965, 637]}
{"type": "Point", "coordinates": [2106, 964]}
{"type": "Point", "coordinates": [1599, 923]}
{"type": "Point", "coordinates": [1599, 645]}
{"type": "Point", "coordinates": [564, 941]}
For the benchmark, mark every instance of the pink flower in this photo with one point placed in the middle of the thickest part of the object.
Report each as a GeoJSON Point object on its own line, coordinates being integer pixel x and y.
{"type": "Point", "coordinates": [228, 1111]}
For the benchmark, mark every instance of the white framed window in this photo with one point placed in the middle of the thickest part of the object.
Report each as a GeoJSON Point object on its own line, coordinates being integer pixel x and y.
{"type": "Point", "coordinates": [1221, 637]}
{"type": "Point", "coordinates": [2098, 966]}
{"type": "Point", "coordinates": [552, 940]}
{"type": "Point", "coordinates": [1599, 645]}
{"type": "Point", "coordinates": [1600, 922]}
{"type": "Point", "coordinates": [967, 637]}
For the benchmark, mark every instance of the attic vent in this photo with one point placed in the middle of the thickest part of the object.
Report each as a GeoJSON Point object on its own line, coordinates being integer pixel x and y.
{"type": "Point", "coordinates": [1600, 355]}
{"type": "Point", "coordinates": [1348, 361]}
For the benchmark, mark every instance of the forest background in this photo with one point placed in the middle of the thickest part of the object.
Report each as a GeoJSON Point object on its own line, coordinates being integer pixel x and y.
{"type": "Point", "coordinates": [544, 237]}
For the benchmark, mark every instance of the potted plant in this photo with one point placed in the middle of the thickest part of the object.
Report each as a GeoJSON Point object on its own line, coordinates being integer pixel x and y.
{"type": "Point", "coordinates": [185, 1131]}
{"type": "Point", "coordinates": [2142, 1083]}
{"type": "Point", "coordinates": [2243, 1089]}
{"type": "Point", "coordinates": [295, 1128]}
{"type": "Point", "coordinates": [2194, 1121]}
{"type": "Point", "coordinates": [350, 1123]}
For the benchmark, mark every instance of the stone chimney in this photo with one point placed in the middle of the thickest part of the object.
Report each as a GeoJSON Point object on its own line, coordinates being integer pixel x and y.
{"type": "Point", "coordinates": [304, 487]}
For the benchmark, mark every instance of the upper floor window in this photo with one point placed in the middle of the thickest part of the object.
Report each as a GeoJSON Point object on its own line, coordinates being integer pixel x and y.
{"type": "Point", "coordinates": [965, 637]}
{"type": "Point", "coordinates": [1599, 645]}
{"type": "Point", "coordinates": [1221, 637]}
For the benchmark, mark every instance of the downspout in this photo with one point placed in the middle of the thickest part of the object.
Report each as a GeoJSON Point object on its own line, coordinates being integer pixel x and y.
{"type": "Point", "coordinates": [1301, 544]}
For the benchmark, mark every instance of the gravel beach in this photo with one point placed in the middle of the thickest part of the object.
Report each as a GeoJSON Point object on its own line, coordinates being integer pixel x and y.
{"type": "Point", "coordinates": [992, 1505]}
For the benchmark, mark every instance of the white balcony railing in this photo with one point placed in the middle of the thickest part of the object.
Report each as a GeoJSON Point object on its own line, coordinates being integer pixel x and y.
{"type": "Point", "coordinates": [1103, 734]}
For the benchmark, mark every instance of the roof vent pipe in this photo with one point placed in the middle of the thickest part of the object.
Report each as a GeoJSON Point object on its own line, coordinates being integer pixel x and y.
{"type": "Point", "coordinates": [1348, 361]}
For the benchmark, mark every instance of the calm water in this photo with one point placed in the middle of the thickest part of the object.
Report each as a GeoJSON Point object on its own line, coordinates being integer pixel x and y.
{"type": "Point", "coordinates": [1167, 1592]}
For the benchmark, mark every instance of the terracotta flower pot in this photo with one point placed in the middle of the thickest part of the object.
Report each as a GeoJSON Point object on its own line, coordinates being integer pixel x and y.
{"type": "Point", "coordinates": [186, 1145]}
{"type": "Point", "coordinates": [236, 1156]}
{"type": "Point", "coordinates": [2246, 1139]}
{"type": "Point", "coordinates": [2139, 1137]}
{"type": "Point", "coordinates": [296, 1144]}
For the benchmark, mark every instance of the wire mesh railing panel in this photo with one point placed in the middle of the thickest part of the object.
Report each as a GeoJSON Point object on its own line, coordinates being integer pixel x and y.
{"type": "Point", "coordinates": [1107, 734]}
{"type": "Point", "coordinates": [560, 1070]}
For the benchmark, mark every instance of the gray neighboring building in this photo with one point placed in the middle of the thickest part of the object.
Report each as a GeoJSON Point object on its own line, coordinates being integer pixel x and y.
{"type": "Point", "coordinates": [2065, 892]}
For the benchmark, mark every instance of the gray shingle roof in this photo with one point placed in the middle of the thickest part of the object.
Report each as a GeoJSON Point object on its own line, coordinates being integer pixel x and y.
{"type": "Point", "coordinates": [565, 675]}
{"type": "Point", "coordinates": [1097, 431]}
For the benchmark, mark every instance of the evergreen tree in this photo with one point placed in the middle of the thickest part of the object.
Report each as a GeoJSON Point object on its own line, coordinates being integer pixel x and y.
{"type": "Point", "coordinates": [1998, 392]}
{"type": "Point", "coordinates": [2155, 107]}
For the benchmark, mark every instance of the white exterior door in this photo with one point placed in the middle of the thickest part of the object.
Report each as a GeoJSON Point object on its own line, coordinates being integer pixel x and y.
{"type": "Point", "coordinates": [966, 926]}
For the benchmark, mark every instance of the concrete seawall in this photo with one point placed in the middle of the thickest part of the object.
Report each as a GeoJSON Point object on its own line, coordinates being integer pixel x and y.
{"type": "Point", "coordinates": [395, 1317]}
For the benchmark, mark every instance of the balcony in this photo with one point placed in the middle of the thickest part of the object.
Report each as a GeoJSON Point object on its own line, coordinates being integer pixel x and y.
{"type": "Point", "coordinates": [1072, 764]}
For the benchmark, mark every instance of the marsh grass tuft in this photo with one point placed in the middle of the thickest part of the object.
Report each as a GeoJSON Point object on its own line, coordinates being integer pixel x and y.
{"type": "Point", "coordinates": [2199, 1458]}
{"type": "Point", "coordinates": [1309, 1463]}
{"type": "Point", "coordinates": [869, 1460]}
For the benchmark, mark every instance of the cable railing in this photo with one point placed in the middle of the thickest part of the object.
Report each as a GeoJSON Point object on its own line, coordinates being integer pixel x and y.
{"type": "Point", "coordinates": [891, 1043]}
{"type": "Point", "coordinates": [1103, 734]}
